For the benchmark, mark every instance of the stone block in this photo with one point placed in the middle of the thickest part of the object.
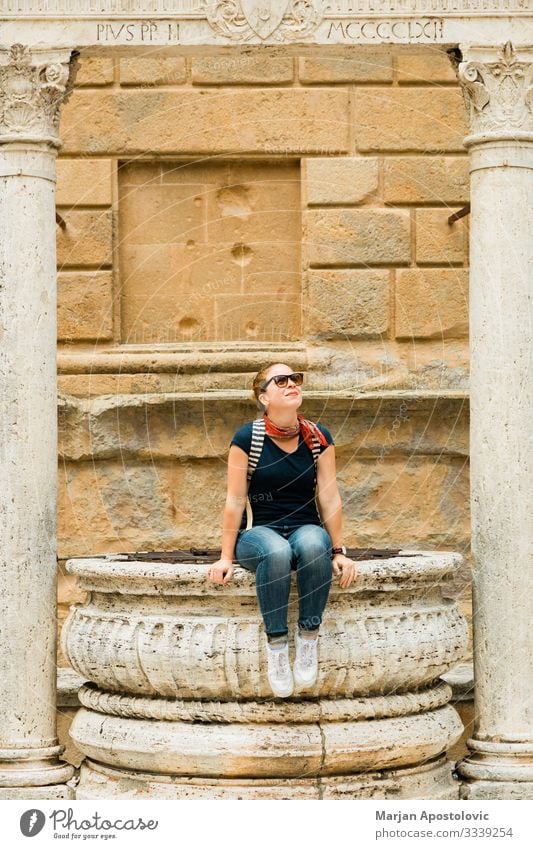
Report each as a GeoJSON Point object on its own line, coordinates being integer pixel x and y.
{"type": "Point", "coordinates": [87, 238]}
{"type": "Point", "coordinates": [85, 306]}
{"type": "Point", "coordinates": [339, 180]}
{"type": "Point", "coordinates": [287, 120]}
{"type": "Point", "coordinates": [355, 236]}
{"type": "Point", "coordinates": [347, 304]}
{"type": "Point", "coordinates": [368, 65]}
{"type": "Point", "coordinates": [262, 317]}
{"type": "Point", "coordinates": [417, 119]}
{"type": "Point", "coordinates": [432, 494]}
{"type": "Point", "coordinates": [431, 303]}
{"type": "Point", "coordinates": [84, 181]}
{"type": "Point", "coordinates": [143, 70]}
{"type": "Point", "coordinates": [139, 506]}
{"type": "Point", "coordinates": [436, 240]}
{"type": "Point", "coordinates": [426, 179]}
{"type": "Point", "coordinates": [94, 71]}
{"type": "Point", "coordinates": [432, 65]}
{"type": "Point", "coordinates": [262, 70]}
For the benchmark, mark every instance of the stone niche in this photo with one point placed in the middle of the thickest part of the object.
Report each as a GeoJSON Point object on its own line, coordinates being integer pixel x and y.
{"type": "Point", "coordinates": [210, 251]}
{"type": "Point", "coordinates": [177, 703]}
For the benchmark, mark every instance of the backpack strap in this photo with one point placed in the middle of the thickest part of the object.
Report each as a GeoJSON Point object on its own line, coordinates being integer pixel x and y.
{"type": "Point", "coordinates": [315, 450]}
{"type": "Point", "coordinates": [256, 446]}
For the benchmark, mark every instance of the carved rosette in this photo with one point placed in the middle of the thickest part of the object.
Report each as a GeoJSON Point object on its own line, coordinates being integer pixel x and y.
{"type": "Point", "coordinates": [33, 87]}
{"type": "Point", "coordinates": [178, 703]}
{"type": "Point", "coordinates": [248, 20]}
{"type": "Point", "coordinates": [498, 95]}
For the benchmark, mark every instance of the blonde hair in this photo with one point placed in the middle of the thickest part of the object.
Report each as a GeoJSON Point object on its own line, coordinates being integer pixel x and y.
{"type": "Point", "coordinates": [257, 385]}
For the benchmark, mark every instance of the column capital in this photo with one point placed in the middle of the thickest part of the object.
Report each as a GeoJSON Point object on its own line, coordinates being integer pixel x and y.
{"type": "Point", "coordinates": [497, 84]}
{"type": "Point", "coordinates": [34, 84]}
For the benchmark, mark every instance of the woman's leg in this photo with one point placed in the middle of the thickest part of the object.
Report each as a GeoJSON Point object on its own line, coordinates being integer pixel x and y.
{"type": "Point", "coordinates": [269, 555]}
{"type": "Point", "coordinates": [312, 548]}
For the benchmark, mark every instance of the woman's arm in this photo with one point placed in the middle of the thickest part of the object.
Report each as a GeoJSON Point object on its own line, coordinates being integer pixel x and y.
{"type": "Point", "coordinates": [221, 571]}
{"type": "Point", "coordinates": [330, 509]}
{"type": "Point", "coordinates": [328, 497]}
{"type": "Point", "coordinates": [235, 499]}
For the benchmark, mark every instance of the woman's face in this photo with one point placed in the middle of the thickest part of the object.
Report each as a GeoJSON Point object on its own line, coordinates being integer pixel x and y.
{"type": "Point", "coordinates": [276, 398]}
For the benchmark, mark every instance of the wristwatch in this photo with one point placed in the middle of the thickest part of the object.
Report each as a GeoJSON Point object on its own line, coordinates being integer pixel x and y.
{"type": "Point", "coordinates": [341, 549]}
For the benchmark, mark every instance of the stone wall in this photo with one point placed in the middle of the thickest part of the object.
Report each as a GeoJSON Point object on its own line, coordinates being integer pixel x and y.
{"type": "Point", "coordinates": [226, 212]}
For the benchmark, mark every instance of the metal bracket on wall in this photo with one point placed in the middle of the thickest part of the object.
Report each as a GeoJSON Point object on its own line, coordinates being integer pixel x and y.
{"type": "Point", "coordinates": [459, 214]}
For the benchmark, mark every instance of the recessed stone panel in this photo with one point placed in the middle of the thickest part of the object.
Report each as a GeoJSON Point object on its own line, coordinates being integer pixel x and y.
{"type": "Point", "coordinates": [197, 235]}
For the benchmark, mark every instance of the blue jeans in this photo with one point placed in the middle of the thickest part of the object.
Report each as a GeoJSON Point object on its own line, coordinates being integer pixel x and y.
{"type": "Point", "coordinates": [271, 555]}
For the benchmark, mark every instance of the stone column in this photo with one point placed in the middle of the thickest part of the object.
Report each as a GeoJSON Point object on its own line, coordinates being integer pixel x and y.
{"type": "Point", "coordinates": [498, 91]}
{"type": "Point", "coordinates": [33, 84]}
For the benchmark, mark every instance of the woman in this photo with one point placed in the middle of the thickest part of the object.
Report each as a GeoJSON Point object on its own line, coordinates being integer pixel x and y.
{"type": "Point", "coordinates": [283, 462]}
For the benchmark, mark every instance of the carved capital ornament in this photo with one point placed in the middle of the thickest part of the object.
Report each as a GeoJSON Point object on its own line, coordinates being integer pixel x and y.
{"type": "Point", "coordinates": [33, 87]}
{"type": "Point", "coordinates": [498, 96]}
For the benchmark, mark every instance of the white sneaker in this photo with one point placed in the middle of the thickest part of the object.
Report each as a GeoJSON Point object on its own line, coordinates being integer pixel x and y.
{"type": "Point", "coordinates": [306, 662]}
{"type": "Point", "coordinates": [279, 671]}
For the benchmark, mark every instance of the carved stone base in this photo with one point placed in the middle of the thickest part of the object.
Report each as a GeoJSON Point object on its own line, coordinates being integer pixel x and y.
{"type": "Point", "coordinates": [269, 750]}
{"type": "Point", "coordinates": [432, 780]}
{"type": "Point", "coordinates": [33, 768]}
{"type": "Point", "coordinates": [497, 770]}
{"type": "Point", "coordinates": [496, 790]}
{"type": "Point", "coordinates": [53, 791]}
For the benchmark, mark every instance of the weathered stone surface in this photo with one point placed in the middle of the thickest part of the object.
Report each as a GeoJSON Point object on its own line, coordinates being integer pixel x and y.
{"type": "Point", "coordinates": [270, 751]}
{"type": "Point", "coordinates": [95, 71]}
{"type": "Point", "coordinates": [432, 303]}
{"type": "Point", "coordinates": [357, 237]}
{"type": "Point", "coordinates": [429, 65]}
{"type": "Point", "coordinates": [139, 507]}
{"type": "Point", "coordinates": [436, 240]}
{"type": "Point", "coordinates": [340, 180]}
{"type": "Point", "coordinates": [427, 781]}
{"type": "Point", "coordinates": [237, 69]}
{"type": "Point", "coordinates": [85, 306]}
{"type": "Point", "coordinates": [415, 119]}
{"type": "Point", "coordinates": [84, 181]}
{"type": "Point", "coordinates": [432, 514]}
{"type": "Point", "coordinates": [193, 121]}
{"type": "Point", "coordinates": [367, 65]}
{"type": "Point", "coordinates": [417, 179]}
{"type": "Point", "coordinates": [203, 244]}
{"type": "Point", "coordinates": [86, 240]}
{"type": "Point", "coordinates": [147, 70]}
{"type": "Point", "coordinates": [183, 654]}
{"type": "Point", "coordinates": [32, 85]}
{"type": "Point", "coordinates": [157, 426]}
{"type": "Point", "coordinates": [346, 304]}
{"type": "Point", "coordinates": [203, 659]}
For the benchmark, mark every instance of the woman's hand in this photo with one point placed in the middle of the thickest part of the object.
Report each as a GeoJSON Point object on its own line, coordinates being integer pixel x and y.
{"type": "Point", "coordinates": [221, 571]}
{"type": "Point", "coordinates": [346, 568]}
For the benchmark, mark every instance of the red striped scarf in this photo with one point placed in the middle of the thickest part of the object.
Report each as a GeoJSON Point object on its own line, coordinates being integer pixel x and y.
{"type": "Point", "coordinates": [306, 427]}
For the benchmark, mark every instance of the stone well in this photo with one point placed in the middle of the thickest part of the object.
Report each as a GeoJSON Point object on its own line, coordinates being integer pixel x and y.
{"type": "Point", "coordinates": [177, 702]}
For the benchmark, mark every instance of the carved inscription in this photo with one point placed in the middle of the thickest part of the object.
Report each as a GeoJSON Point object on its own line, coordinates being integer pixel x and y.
{"type": "Point", "coordinates": [397, 29]}
{"type": "Point", "coordinates": [122, 32]}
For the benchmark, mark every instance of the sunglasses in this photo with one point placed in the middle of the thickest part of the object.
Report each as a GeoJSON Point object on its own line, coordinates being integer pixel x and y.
{"type": "Point", "coordinates": [282, 380]}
